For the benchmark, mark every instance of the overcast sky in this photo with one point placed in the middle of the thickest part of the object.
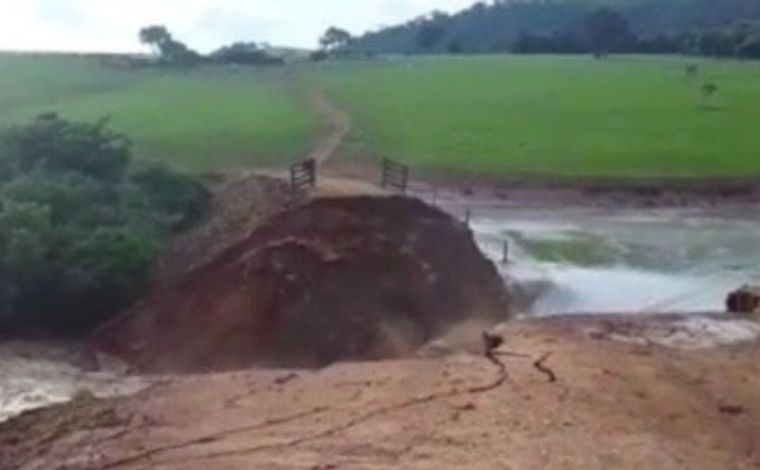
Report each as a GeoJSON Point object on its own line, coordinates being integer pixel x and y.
{"type": "Point", "coordinates": [112, 25]}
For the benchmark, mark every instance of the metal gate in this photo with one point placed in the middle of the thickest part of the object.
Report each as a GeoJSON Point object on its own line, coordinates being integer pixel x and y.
{"type": "Point", "coordinates": [395, 175]}
{"type": "Point", "coordinates": [303, 175]}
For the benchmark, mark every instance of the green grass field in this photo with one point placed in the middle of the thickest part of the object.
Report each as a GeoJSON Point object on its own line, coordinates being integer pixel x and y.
{"type": "Point", "coordinates": [197, 120]}
{"type": "Point", "coordinates": [502, 115]}
{"type": "Point", "coordinates": [566, 116]}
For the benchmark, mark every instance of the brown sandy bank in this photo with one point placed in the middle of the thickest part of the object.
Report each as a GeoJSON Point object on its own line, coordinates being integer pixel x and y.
{"type": "Point", "coordinates": [624, 404]}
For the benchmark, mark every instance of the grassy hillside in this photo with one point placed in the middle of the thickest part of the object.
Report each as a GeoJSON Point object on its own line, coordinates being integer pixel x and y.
{"type": "Point", "coordinates": [626, 117]}
{"type": "Point", "coordinates": [198, 120]}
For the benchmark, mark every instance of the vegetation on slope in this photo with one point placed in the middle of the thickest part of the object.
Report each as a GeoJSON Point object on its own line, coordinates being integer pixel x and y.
{"type": "Point", "coordinates": [80, 225]}
{"type": "Point", "coordinates": [169, 52]}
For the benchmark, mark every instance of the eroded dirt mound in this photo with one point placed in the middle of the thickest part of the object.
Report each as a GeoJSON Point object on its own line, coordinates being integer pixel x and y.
{"type": "Point", "coordinates": [334, 279]}
{"type": "Point", "coordinates": [240, 201]}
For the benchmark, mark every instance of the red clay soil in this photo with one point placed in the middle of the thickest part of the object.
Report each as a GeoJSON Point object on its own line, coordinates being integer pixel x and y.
{"type": "Point", "coordinates": [240, 202]}
{"type": "Point", "coordinates": [334, 279]}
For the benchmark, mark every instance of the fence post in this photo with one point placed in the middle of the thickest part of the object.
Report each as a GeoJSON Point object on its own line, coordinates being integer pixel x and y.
{"type": "Point", "coordinates": [303, 175]}
{"type": "Point", "coordinates": [394, 175]}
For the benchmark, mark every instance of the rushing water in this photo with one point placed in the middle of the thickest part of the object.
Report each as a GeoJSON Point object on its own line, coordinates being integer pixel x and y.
{"type": "Point", "coordinates": [579, 261]}
{"type": "Point", "coordinates": [36, 375]}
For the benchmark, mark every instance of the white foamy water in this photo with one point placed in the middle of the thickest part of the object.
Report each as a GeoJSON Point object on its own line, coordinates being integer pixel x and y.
{"type": "Point", "coordinates": [34, 376]}
{"type": "Point", "coordinates": [582, 261]}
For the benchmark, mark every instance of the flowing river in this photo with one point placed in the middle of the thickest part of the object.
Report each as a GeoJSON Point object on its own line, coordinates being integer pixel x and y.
{"type": "Point", "coordinates": [581, 261]}
{"type": "Point", "coordinates": [36, 375]}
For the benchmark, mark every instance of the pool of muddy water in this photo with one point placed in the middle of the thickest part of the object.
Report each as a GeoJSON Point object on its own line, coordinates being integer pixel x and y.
{"type": "Point", "coordinates": [587, 261]}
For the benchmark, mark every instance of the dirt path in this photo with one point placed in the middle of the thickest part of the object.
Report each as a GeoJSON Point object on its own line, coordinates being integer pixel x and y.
{"type": "Point", "coordinates": [242, 198]}
{"type": "Point", "coordinates": [336, 122]}
{"type": "Point", "coordinates": [332, 180]}
{"type": "Point", "coordinates": [612, 405]}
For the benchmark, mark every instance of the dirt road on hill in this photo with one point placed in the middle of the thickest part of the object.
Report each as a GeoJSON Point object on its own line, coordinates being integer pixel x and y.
{"type": "Point", "coordinates": [336, 122]}
{"type": "Point", "coordinates": [241, 199]}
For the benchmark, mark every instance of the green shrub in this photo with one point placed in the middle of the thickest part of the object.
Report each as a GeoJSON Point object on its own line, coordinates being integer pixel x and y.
{"type": "Point", "coordinates": [750, 48]}
{"type": "Point", "coordinates": [79, 228]}
{"type": "Point", "coordinates": [180, 200]}
{"type": "Point", "coordinates": [54, 144]}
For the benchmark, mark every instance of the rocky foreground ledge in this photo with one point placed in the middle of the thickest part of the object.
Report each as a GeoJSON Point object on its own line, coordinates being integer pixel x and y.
{"type": "Point", "coordinates": [579, 393]}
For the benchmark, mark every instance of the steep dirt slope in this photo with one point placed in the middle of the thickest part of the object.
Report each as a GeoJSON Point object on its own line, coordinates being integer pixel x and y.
{"type": "Point", "coordinates": [333, 279]}
{"type": "Point", "coordinates": [240, 201]}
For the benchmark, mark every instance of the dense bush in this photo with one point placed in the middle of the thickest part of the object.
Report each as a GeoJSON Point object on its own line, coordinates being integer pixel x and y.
{"type": "Point", "coordinates": [665, 44]}
{"type": "Point", "coordinates": [750, 47]}
{"type": "Point", "coordinates": [608, 31]}
{"type": "Point", "coordinates": [80, 227]}
{"type": "Point", "coordinates": [178, 54]}
{"type": "Point", "coordinates": [557, 43]}
{"type": "Point", "coordinates": [242, 53]}
{"type": "Point", "coordinates": [169, 51]}
{"type": "Point", "coordinates": [740, 40]}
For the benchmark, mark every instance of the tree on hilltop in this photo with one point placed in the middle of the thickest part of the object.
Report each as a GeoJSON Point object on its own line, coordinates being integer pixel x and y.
{"type": "Point", "coordinates": [155, 36]}
{"type": "Point", "coordinates": [167, 48]}
{"type": "Point", "coordinates": [335, 39]}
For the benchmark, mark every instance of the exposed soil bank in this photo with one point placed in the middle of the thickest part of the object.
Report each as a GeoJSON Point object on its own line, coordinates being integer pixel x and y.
{"type": "Point", "coordinates": [240, 201]}
{"type": "Point", "coordinates": [333, 279]}
{"type": "Point", "coordinates": [614, 404]}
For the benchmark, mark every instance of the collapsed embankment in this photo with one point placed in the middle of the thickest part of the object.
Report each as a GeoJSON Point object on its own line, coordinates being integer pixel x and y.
{"type": "Point", "coordinates": [333, 279]}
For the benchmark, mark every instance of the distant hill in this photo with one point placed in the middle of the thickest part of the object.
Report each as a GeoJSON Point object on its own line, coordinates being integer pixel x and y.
{"type": "Point", "coordinates": [495, 26]}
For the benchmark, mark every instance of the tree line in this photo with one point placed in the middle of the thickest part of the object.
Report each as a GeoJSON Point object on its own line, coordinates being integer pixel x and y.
{"type": "Point", "coordinates": [707, 27]}
{"type": "Point", "coordinates": [607, 31]}
{"type": "Point", "coordinates": [170, 51]}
